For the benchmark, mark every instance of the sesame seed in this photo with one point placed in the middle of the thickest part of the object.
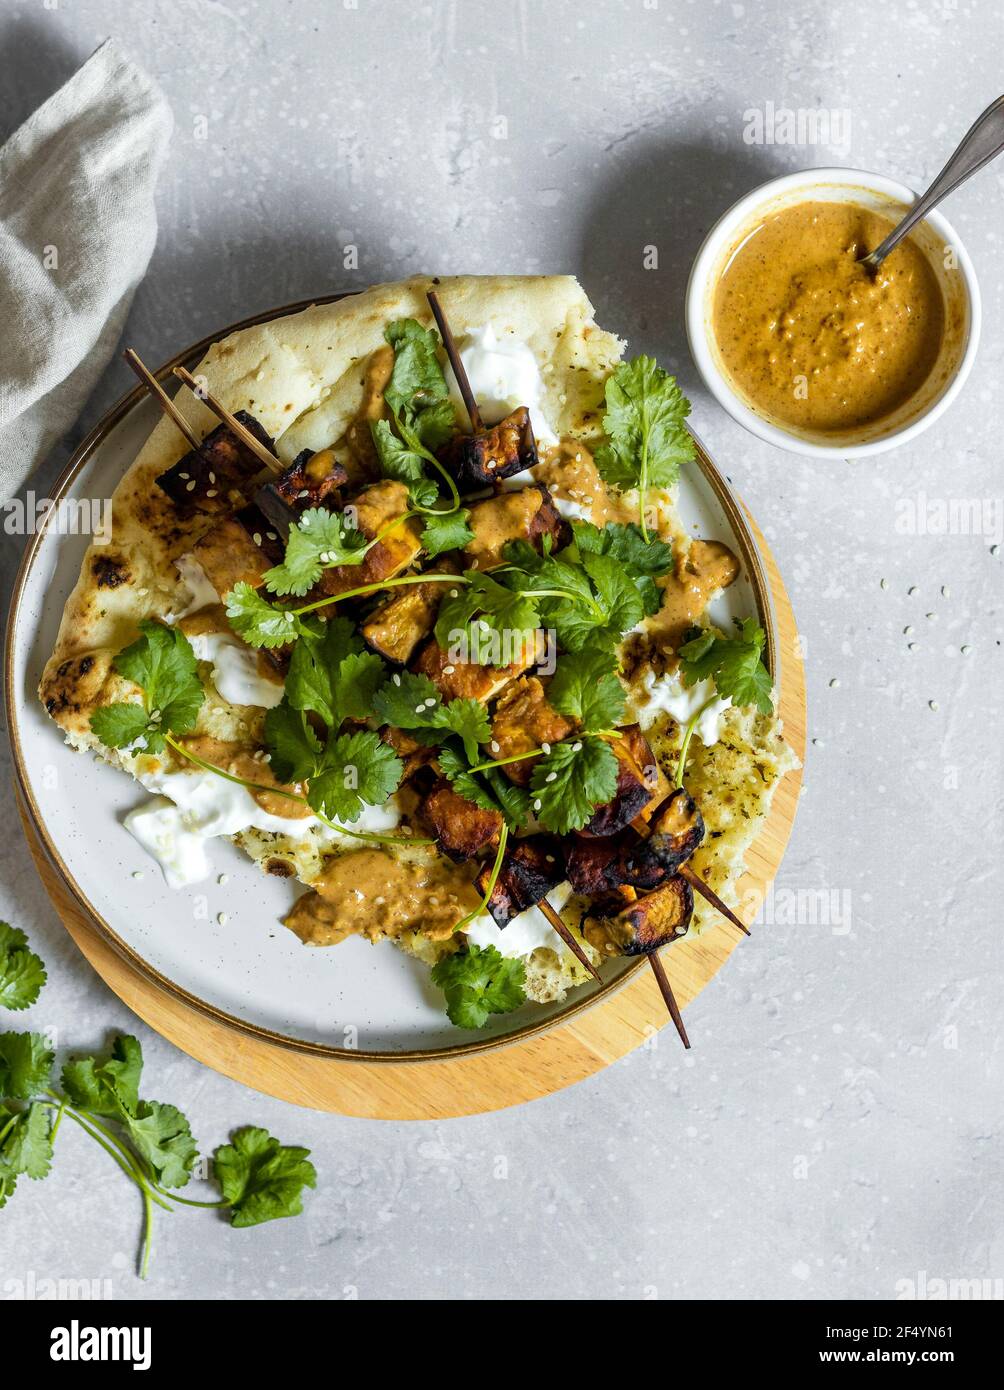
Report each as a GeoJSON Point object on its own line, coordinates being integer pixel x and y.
{"type": "Point", "coordinates": [883, 583]}
{"type": "Point", "coordinates": [545, 748]}
{"type": "Point", "coordinates": [184, 475]}
{"type": "Point", "coordinates": [551, 777]}
{"type": "Point", "coordinates": [190, 487]}
{"type": "Point", "coordinates": [945, 591]}
{"type": "Point", "coordinates": [257, 538]}
{"type": "Point", "coordinates": [222, 918]}
{"type": "Point", "coordinates": [272, 535]}
{"type": "Point", "coordinates": [911, 646]}
{"type": "Point", "coordinates": [907, 630]}
{"type": "Point", "coordinates": [933, 705]}
{"type": "Point", "coordinates": [965, 650]}
{"type": "Point", "coordinates": [576, 747]}
{"type": "Point", "coordinates": [912, 590]}
{"type": "Point", "coordinates": [212, 477]}
{"type": "Point", "coordinates": [448, 670]}
{"type": "Point", "coordinates": [420, 708]}
{"type": "Point", "coordinates": [137, 873]}
{"type": "Point", "coordinates": [834, 683]}
{"type": "Point", "coordinates": [223, 879]}
{"type": "Point", "coordinates": [495, 746]}
{"type": "Point", "coordinates": [536, 805]}
{"type": "Point", "coordinates": [211, 492]}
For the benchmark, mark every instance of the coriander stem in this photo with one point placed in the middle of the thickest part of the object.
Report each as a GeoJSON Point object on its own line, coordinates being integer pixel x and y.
{"type": "Point", "coordinates": [9, 1126]}
{"type": "Point", "coordinates": [57, 1122]}
{"type": "Point", "coordinates": [290, 796]}
{"type": "Point", "coordinates": [492, 880]}
{"type": "Point", "coordinates": [503, 762]}
{"type": "Point", "coordinates": [189, 1201]}
{"type": "Point", "coordinates": [688, 734]}
{"type": "Point", "coordinates": [380, 584]}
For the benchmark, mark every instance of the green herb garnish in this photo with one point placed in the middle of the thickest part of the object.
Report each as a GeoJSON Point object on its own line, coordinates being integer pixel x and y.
{"type": "Point", "coordinates": [480, 982]}
{"type": "Point", "coordinates": [161, 662]}
{"type": "Point", "coordinates": [22, 973]}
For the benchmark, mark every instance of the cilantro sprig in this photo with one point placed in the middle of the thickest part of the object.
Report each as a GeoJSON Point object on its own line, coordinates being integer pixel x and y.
{"type": "Point", "coordinates": [162, 663]}
{"type": "Point", "coordinates": [647, 438]}
{"type": "Point", "coordinates": [571, 781]}
{"type": "Point", "coordinates": [150, 1141]}
{"type": "Point", "coordinates": [22, 973]}
{"type": "Point", "coordinates": [480, 982]}
{"type": "Point", "coordinates": [414, 703]}
{"type": "Point", "coordinates": [735, 666]}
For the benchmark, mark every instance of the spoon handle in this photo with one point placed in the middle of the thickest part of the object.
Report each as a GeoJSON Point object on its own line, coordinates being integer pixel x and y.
{"type": "Point", "coordinates": [983, 141]}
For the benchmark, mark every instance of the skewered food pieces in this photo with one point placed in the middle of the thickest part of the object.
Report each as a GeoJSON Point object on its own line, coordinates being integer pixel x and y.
{"type": "Point", "coordinates": [598, 867]}
{"type": "Point", "coordinates": [483, 459]}
{"type": "Point", "coordinates": [311, 480]}
{"type": "Point", "coordinates": [525, 720]}
{"type": "Point", "coordinates": [529, 871]}
{"type": "Point", "coordinates": [461, 829]}
{"type": "Point", "coordinates": [646, 925]}
{"type": "Point", "coordinates": [525, 515]}
{"type": "Point", "coordinates": [215, 476]}
{"type": "Point", "coordinates": [638, 785]}
{"type": "Point", "coordinates": [376, 509]}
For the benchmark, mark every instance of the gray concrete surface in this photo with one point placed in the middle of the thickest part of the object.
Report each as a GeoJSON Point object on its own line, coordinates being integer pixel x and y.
{"type": "Point", "coordinates": [836, 1130]}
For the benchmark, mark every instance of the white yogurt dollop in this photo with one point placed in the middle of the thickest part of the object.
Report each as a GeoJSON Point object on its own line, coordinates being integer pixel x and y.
{"type": "Point", "coordinates": [667, 694]}
{"type": "Point", "coordinates": [525, 932]}
{"type": "Point", "coordinates": [503, 374]}
{"type": "Point", "coordinates": [235, 670]}
{"type": "Point", "coordinates": [193, 807]}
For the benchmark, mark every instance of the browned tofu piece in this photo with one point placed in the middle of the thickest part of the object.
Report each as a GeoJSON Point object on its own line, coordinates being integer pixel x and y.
{"type": "Point", "coordinates": [526, 515]}
{"type": "Point", "coordinates": [530, 869]}
{"type": "Point", "coordinates": [239, 548]}
{"type": "Point", "coordinates": [375, 509]}
{"type": "Point", "coordinates": [677, 829]}
{"type": "Point", "coordinates": [524, 720]}
{"type": "Point", "coordinates": [645, 925]}
{"type": "Point", "coordinates": [637, 785]}
{"type": "Point", "coordinates": [464, 680]}
{"type": "Point", "coordinates": [311, 480]}
{"type": "Point", "coordinates": [598, 868]}
{"type": "Point", "coordinates": [462, 830]}
{"type": "Point", "coordinates": [483, 459]}
{"type": "Point", "coordinates": [215, 476]}
{"type": "Point", "coordinates": [397, 626]}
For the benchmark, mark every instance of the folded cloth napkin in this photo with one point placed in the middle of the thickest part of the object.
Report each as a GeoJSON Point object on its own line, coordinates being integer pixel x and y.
{"type": "Point", "coordinates": [77, 229]}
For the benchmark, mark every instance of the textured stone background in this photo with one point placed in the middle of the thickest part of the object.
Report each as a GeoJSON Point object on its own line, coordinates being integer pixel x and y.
{"type": "Point", "coordinates": [837, 1127]}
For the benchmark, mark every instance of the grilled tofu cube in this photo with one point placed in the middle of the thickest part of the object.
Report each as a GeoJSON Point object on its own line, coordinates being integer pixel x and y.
{"type": "Point", "coordinates": [647, 924]}
{"type": "Point", "coordinates": [215, 476]}
{"type": "Point", "coordinates": [375, 509]}
{"type": "Point", "coordinates": [462, 830]}
{"type": "Point", "coordinates": [531, 868]}
{"type": "Point", "coordinates": [239, 547]}
{"type": "Point", "coordinates": [597, 868]}
{"type": "Point", "coordinates": [526, 515]}
{"type": "Point", "coordinates": [397, 626]}
{"type": "Point", "coordinates": [483, 459]}
{"type": "Point", "coordinates": [311, 480]}
{"type": "Point", "coordinates": [466, 680]}
{"type": "Point", "coordinates": [524, 720]}
{"type": "Point", "coordinates": [637, 785]}
{"type": "Point", "coordinates": [411, 752]}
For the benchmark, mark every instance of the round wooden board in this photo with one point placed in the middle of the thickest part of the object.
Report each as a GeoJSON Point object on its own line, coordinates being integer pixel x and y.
{"type": "Point", "coordinates": [510, 1074]}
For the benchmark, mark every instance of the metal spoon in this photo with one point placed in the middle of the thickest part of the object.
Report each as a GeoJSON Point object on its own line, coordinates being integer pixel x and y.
{"type": "Point", "coordinates": [982, 142]}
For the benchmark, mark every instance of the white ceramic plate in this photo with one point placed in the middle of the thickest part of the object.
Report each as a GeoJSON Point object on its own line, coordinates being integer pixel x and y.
{"type": "Point", "coordinates": [354, 999]}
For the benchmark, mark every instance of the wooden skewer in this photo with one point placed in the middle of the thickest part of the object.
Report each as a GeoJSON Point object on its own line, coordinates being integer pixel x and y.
{"type": "Point", "coordinates": [698, 884]}
{"type": "Point", "coordinates": [455, 361]}
{"type": "Point", "coordinates": [160, 396]}
{"type": "Point", "coordinates": [567, 937]}
{"type": "Point", "coordinates": [670, 998]}
{"type": "Point", "coordinates": [220, 411]}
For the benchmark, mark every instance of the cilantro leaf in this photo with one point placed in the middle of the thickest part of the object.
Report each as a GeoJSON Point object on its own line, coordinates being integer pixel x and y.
{"type": "Point", "coordinates": [404, 699]}
{"type": "Point", "coordinates": [447, 531]}
{"type": "Point", "coordinates": [27, 1148]}
{"type": "Point", "coordinates": [22, 973]}
{"type": "Point", "coordinates": [293, 746]}
{"type": "Point", "coordinates": [163, 1137]}
{"type": "Point", "coordinates": [618, 607]}
{"type": "Point", "coordinates": [643, 560]}
{"type": "Point", "coordinates": [319, 539]}
{"type": "Point", "coordinates": [734, 663]}
{"type": "Point", "coordinates": [314, 664]}
{"type": "Point", "coordinates": [357, 680]}
{"type": "Point", "coordinates": [497, 608]}
{"type": "Point", "coordinates": [513, 800]}
{"type": "Point", "coordinates": [478, 983]}
{"type": "Point", "coordinates": [260, 1178]}
{"type": "Point", "coordinates": [399, 460]}
{"type": "Point", "coordinates": [260, 623]}
{"type": "Point", "coordinates": [414, 703]}
{"type": "Point", "coordinates": [25, 1064]}
{"type": "Point", "coordinates": [586, 688]}
{"type": "Point", "coordinates": [417, 381]}
{"type": "Point", "coordinates": [355, 769]}
{"type": "Point", "coordinates": [161, 662]}
{"type": "Point", "coordinates": [644, 423]}
{"type": "Point", "coordinates": [109, 1085]}
{"type": "Point", "coordinates": [571, 781]}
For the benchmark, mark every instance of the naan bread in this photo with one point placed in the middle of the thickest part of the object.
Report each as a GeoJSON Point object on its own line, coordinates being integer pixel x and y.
{"type": "Point", "coordinates": [302, 377]}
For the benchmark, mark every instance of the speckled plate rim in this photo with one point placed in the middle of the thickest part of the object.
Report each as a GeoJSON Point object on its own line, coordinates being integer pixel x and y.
{"type": "Point", "coordinates": [756, 576]}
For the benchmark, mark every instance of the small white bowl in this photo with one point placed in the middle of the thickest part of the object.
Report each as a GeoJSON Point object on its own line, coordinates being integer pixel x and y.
{"type": "Point", "coordinates": [958, 285]}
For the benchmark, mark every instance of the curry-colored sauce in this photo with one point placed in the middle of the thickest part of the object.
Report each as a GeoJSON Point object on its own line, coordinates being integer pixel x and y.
{"type": "Point", "coordinates": [812, 338]}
